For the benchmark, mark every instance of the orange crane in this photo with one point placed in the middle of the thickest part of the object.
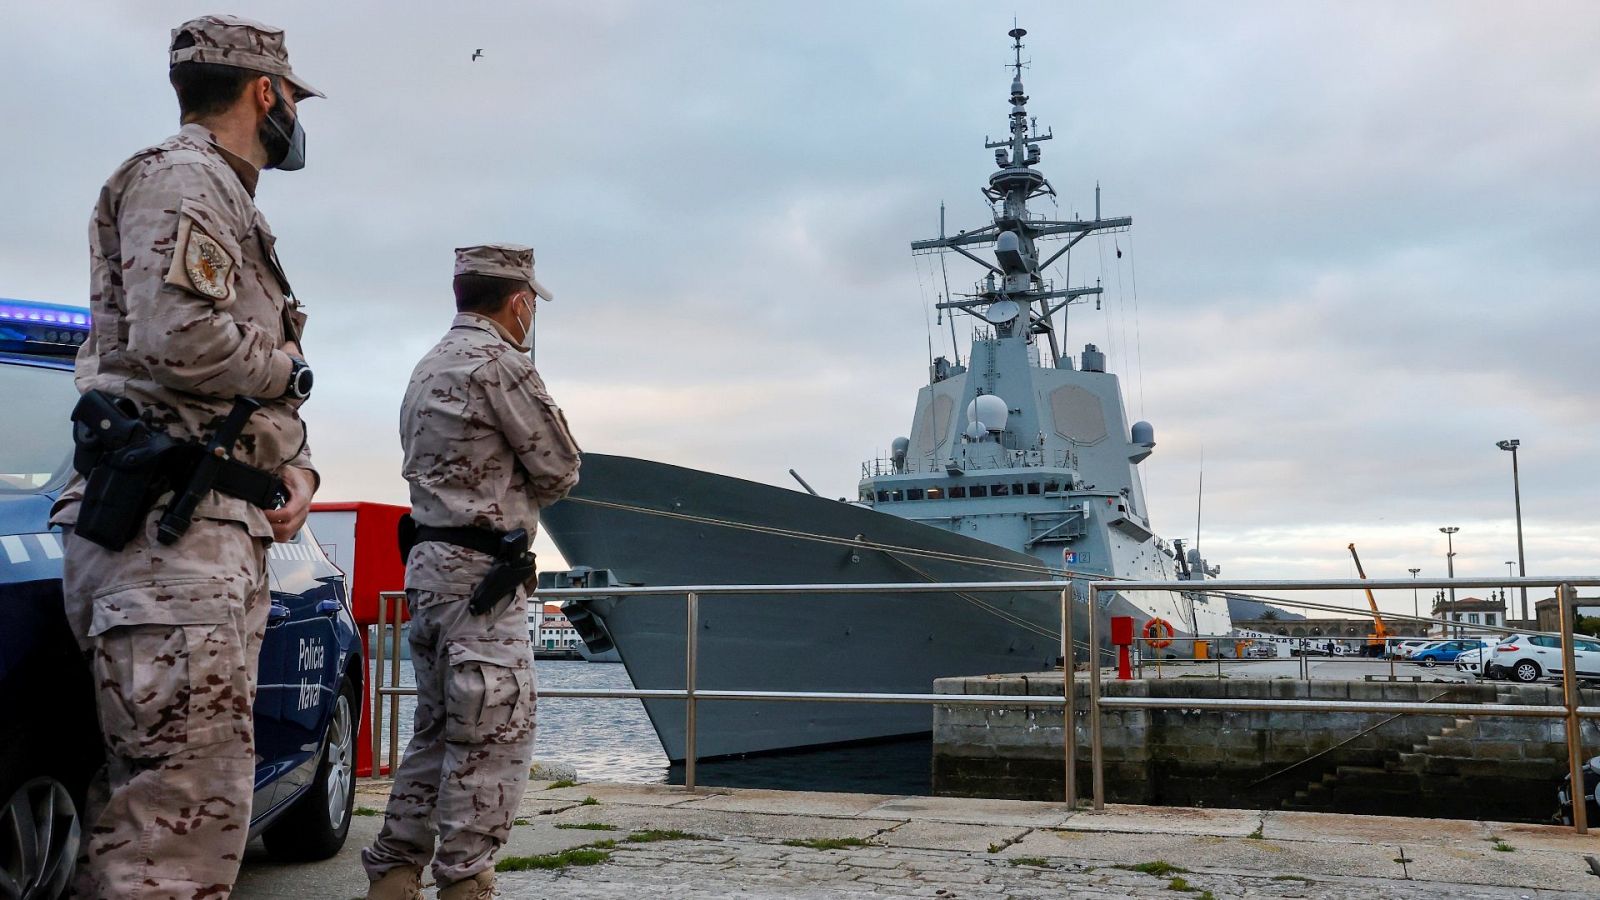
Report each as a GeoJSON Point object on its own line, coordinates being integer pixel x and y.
{"type": "Point", "coordinates": [1380, 635]}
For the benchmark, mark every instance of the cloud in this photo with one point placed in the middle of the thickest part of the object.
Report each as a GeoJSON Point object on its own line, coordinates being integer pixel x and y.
{"type": "Point", "coordinates": [1363, 250]}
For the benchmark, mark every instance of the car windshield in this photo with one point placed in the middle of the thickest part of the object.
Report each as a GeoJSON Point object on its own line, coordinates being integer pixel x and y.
{"type": "Point", "coordinates": [35, 403]}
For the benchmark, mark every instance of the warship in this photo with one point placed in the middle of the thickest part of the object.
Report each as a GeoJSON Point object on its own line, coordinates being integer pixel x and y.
{"type": "Point", "coordinates": [1020, 465]}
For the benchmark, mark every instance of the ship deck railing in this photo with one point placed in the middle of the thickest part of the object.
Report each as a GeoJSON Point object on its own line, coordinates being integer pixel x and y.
{"type": "Point", "coordinates": [1571, 712]}
{"type": "Point", "coordinates": [1013, 458]}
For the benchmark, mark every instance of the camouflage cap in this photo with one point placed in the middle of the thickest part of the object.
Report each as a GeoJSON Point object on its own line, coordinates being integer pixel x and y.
{"type": "Point", "coordinates": [512, 261]}
{"type": "Point", "coordinates": [242, 43]}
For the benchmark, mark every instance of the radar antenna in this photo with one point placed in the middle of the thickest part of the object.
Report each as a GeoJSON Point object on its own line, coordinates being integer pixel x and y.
{"type": "Point", "coordinates": [1016, 45]}
{"type": "Point", "coordinates": [1014, 289]}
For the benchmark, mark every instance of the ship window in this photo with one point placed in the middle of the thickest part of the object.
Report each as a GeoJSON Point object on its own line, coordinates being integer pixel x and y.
{"type": "Point", "coordinates": [979, 490]}
{"type": "Point", "coordinates": [1033, 487]}
{"type": "Point", "coordinates": [935, 494]}
{"type": "Point", "coordinates": [1017, 489]}
{"type": "Point", "coordinates": [957, 493]}
{"type": "Point", "coordinates": [1000, 490]}
{"type": "Point", "coordinates": [883, 496]}
{"type": "Point", "coordinates": [896, 496]}
{"type": "Point", "coordinates": [914, 494]}
{"type": "Point", "coordinates": [1050, 487]}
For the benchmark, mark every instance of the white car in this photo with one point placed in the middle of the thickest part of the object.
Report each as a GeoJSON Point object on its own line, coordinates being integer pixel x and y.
{"type": "Point", "coordinates": [1471, 662]}
{"type": "Point", "coordinates": [1404, 649]}
{"type": "Point", "coordinates": [1529, 657]}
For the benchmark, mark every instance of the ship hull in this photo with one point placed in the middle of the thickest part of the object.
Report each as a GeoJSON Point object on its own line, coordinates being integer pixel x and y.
{"type": "Point", "coordinates": [655, 524]}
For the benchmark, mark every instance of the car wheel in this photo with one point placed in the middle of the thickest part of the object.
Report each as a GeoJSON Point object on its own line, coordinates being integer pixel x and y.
{"type": "Point", "coordinates": [1526, 671]}
{"type": "Point", "coordinates": [316, 826]}
{"type": "Point", "coordinates": [39, 835]}
{"type": "Point", "coordinates": [1428, 663]}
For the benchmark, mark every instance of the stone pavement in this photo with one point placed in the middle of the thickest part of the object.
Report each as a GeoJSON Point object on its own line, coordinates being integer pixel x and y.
{"type": "Point", "coordinates": [724, 842]}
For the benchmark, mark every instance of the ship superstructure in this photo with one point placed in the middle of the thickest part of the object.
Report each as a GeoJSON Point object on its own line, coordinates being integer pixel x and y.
{"type": "Point", "coordinates": [1025, 446]}
{"type": "Point", "coordinates": [1020, 466]}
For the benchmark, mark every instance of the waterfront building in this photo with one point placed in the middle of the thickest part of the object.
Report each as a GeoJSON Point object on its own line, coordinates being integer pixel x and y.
{"type": "Point", "coordinates": [555, 632]}
{"type": "Point", "coordinates": [1467, 613]}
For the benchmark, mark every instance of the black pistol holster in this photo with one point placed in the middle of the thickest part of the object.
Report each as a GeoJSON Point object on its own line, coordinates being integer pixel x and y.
{"type": "Point", "coordinates": [129, 464]}
{"type": "Point", "coordinates": [513, 564]}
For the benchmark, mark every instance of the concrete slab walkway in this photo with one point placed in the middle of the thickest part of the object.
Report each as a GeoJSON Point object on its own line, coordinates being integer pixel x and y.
{"type": "Point", "coordinates": [634, 841]}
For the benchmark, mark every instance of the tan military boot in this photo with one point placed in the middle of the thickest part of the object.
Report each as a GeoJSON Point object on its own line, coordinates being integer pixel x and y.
{"type": "Point", "coordinates": [397, 884]}
{"type": "Point", "coordinates": [478, 887]}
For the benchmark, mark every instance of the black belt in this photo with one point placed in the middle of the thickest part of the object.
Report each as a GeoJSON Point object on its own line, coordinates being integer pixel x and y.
{"type": "Point", "coordinates": [484, 540]}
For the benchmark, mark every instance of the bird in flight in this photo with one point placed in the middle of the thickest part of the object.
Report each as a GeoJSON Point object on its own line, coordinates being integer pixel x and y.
{"type": "Point", "coordinates": [477, 54]}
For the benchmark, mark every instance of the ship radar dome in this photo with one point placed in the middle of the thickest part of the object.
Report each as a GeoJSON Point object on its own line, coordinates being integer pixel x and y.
{"type": "Point", "coordinates": [988, 412]}
{"type": "Point", "coordinates": [898, 451]}
{"type": "Point", "coordinates": [1144, 433]}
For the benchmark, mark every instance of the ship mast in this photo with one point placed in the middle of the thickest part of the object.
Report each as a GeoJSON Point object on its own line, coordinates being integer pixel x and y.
{"type": "Point", "coordinates": [1014, 295]}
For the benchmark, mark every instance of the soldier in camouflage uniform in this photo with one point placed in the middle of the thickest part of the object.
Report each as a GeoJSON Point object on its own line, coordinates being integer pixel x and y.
{"type": "Point", "coordinates": [485, 448]}
{"type": "Point", "coordinates": [189, 309]}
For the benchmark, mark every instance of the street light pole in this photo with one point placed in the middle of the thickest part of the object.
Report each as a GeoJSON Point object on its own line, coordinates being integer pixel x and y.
{"type": "Point", "coordinates": [1450, 565]}
{"type": "Point", "coordinates": [1512, 444]}
{"type": "Point", "coordinates": [1414, 612]}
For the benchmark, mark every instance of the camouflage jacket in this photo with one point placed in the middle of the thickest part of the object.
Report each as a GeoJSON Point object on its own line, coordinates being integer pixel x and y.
{"type": "Point", "coordinates": [190, 308]}
{"type": "Point", "coordinates": [485, 447]}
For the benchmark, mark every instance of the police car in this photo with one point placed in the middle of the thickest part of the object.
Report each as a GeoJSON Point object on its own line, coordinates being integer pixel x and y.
{"type": "Point", "coordinates": [308, 700]}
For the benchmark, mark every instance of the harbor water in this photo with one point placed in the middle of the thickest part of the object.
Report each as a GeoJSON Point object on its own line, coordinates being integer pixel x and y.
{"type": "Point", "coordinates": [612, 740]}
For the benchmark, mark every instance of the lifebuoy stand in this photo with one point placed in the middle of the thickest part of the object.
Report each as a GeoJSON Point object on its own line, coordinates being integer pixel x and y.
{"type": "Point", "coordinates": [1122, 639]}
{"type": "Point", "coordinates": [359, 539]}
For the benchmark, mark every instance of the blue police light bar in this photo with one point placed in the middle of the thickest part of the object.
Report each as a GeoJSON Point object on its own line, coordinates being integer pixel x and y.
{"type": "Point", "coordinates": [57, 314]}
{"type": "Point", "coordinates": [49, 328]}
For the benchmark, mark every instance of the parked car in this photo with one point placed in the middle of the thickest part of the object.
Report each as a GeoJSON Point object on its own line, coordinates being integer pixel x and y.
{"type": "Point", "coordinates": [1478, 662]}
{"type": "Point", "coordinates": [1446, 651]}
{"type": "Point", "coordinates": [308, 700]}
{"type": "Point", "coordinates": [1404, 649]}
{"type": "Point", "coordinates": [1529, 657]}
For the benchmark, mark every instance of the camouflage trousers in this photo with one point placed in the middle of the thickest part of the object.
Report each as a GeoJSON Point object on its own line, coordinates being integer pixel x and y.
{"type": "Point", "coordinates": [171, 636]}
{"type": "Point", "coordinates": [466, 766]}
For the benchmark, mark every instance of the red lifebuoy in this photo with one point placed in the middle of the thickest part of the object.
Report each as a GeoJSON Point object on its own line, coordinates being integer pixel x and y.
{"type": "Point", "coordinates": [1158, 633]}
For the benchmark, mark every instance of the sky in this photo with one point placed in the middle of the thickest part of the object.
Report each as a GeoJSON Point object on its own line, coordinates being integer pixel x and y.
{"type": "Point", "coordinates": [1366, 240]}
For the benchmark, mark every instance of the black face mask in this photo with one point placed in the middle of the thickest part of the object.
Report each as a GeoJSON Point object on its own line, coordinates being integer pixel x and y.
{"type": "Point", "coordinates": [283, 138]}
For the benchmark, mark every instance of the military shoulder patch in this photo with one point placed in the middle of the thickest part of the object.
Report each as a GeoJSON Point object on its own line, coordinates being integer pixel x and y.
{"type": "Point", "coordinates": [207, 265]}
{"type": "Point", "coordinates": [202, 262]}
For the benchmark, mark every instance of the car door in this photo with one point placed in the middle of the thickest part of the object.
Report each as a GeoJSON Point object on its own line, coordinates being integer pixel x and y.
{"type": "Point", "coordinates": [297, 677]}
{"type": "Point", "coordinates": [1586, 657]}
{"type": "Point", "coordinates": [1547, 650]}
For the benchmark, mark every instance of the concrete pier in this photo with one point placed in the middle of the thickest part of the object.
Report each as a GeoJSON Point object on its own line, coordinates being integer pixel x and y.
{"type": "Point", "coordinates": [1372, 763]}
{"type": "Point", "coordinates": [631, 841]}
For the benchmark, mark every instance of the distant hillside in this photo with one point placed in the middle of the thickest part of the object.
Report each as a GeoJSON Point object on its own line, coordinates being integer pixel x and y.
{"type": "Point", "coordinates": [1245, 608]}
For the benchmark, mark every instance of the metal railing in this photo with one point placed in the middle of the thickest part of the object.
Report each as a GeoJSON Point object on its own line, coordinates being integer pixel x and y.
{"type": "Point", "coordinates": [1570, 710]}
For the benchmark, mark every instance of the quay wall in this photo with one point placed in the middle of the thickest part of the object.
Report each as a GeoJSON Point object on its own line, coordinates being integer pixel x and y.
{"type": "Point", "coordinates": [1379, 764]}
